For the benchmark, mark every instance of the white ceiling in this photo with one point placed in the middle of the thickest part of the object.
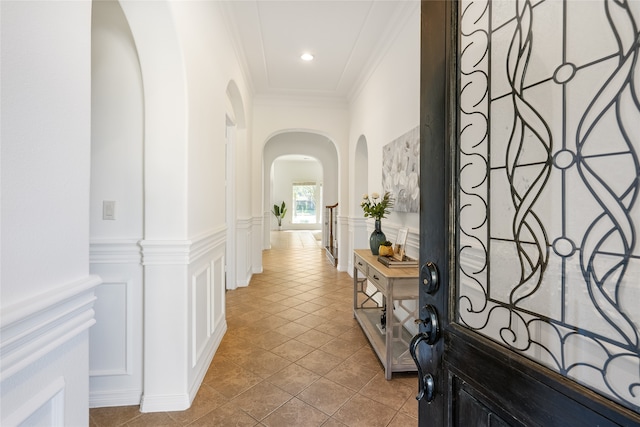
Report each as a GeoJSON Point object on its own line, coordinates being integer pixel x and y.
{"type": "Point", "coordinates": [346, 37]}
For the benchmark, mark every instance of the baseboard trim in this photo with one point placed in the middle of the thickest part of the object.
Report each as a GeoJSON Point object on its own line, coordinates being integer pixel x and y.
{"type": "Point", "coordinates": [165, 403]}
{"type": "Point", "coordinates": [114, 398]}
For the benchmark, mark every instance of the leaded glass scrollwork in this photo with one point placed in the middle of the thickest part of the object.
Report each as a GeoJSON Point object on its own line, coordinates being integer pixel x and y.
{"type": "Point", "coordinates": [549, 134]}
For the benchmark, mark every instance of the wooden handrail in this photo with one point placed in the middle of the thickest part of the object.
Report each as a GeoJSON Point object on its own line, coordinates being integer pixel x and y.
{"type": "Point", "coordinates": [331, 208]}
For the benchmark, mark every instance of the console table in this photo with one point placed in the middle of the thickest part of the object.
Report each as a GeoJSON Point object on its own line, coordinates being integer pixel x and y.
{"type": "Point", "coordinates": [397, 290]}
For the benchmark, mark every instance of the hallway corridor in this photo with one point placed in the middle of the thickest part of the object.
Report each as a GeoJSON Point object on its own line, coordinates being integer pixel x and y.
{"type": "Point", "coordinates": [293, 355]}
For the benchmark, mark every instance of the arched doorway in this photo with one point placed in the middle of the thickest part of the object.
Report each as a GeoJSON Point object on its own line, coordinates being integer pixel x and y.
{"type": "Point", "coordinates": [303, 143]}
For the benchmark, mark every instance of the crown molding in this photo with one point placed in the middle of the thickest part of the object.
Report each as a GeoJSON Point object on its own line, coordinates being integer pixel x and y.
{"type": "Point", "coordinates": [238, 49]}
{"type": "Point", "coordinates": [392, 31]}
{"type": "Point", "coordinates": [297, 99]}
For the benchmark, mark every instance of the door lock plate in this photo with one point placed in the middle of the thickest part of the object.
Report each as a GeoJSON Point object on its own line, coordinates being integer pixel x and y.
{"type": "Point", "coordinates": [429, 277]}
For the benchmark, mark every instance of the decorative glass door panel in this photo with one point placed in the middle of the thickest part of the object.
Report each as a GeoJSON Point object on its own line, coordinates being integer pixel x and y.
{"type": "Point", "coordinates": [549, 133]}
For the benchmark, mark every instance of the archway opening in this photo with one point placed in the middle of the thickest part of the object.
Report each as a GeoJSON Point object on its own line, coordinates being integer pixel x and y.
{"type": "Point", "coordinates": [235, 131]}
{"type": "Point", "coordinates": [318, 151]}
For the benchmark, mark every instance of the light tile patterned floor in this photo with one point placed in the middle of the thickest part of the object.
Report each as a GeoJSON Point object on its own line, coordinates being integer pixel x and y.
{"type": "Point", "coordinates": [293, 355]}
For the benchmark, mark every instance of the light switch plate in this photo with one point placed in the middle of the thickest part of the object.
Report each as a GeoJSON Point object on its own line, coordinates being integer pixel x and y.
{"type": "Point", "coordinates": [108, 209]}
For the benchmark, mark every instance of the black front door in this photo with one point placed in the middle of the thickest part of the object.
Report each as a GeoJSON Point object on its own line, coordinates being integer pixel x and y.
{"type": "Point", "coordinates": [530, 278]}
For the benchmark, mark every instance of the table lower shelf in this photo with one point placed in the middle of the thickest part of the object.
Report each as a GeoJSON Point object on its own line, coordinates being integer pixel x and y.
{"type": "Point", "coordinates": [399, 359]}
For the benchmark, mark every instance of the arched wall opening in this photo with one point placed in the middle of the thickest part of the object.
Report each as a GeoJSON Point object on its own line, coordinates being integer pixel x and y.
{"type": "Point", "coordinates": [116, 209]}
{"type": "Point", "coordinates": [237, 106]}
{"type": "Point", "coordinates": [300, 143]}
{"type": "Point", "coordinates": [237, 235]}
{"type": "Point", "coordinates": [361, 173]}
{"type": "Point", "coordinates": [358, 232]}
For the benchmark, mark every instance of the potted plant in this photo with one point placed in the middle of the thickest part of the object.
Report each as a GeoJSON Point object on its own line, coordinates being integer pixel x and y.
{"type": "Point", "coordinates": [279, 212]}
{"type": "Point", "coordinates": [376, 208]}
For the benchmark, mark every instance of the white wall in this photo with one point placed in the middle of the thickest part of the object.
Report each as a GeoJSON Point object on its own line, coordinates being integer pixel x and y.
{"type": "Point", "coordinates": [216, 90]}
{"type": "Point", "coordinates": [47, 291]}
{"type": "Point", "coordinates": [386, 106]}
{"type": "Point", "coordinates": [117, 125]}
{"type": "Point", "coordinates": [206, 58]}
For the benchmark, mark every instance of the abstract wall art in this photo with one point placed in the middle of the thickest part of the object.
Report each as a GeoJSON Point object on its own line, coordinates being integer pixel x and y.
{"type": "Point", "coordinates": [401, 171]}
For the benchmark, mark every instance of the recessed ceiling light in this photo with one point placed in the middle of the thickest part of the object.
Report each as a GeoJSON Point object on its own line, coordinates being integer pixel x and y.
{"type": "Point", "coordinates": [306, 57]}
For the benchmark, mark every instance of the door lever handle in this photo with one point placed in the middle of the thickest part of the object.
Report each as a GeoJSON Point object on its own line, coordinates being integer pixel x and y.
{"type": "Point", "coordinates": [431, 333]}
{"type": "Point", "coordinates": [426, 384]}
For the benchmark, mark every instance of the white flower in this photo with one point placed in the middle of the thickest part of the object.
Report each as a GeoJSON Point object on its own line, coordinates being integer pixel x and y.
{"type": "Point", "coordinates": [375, 196]}
{"type": "Point", "coordinates": [365, 196]}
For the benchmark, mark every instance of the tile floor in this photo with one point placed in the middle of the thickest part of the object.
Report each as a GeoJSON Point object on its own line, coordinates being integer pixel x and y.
{"type": "Point", "coordinates": [293, 355]}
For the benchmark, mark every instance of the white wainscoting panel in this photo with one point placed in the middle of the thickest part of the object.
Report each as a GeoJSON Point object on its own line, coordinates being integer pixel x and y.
{"type": "Point", "coordinates": [343, 243]}
{"type": "Point", "coordinates": [44, 349]}
{"type": "Point", "coordinates": [201, 312]}
{"type": "Point", "coordinates": [115, 357]}
{"type": "Point", "coordinates": [218, 292]}
{"type": "Point", "coordinates": [359, 238]}
{"type": "Point", "coordinates": [207, 305]}
{"type": "Point", "coordinates": [256, 245]}
{"type": "Point", "coordinates": [45, 408]}
{"type": "Point", "coordinates": [243, 251]}
{"type": "Point", "coordinates": [110, 336]}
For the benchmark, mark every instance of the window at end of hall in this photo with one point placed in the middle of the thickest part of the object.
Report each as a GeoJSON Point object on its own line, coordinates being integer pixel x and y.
{"type": "Point", "coordinates": [306, 197]}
